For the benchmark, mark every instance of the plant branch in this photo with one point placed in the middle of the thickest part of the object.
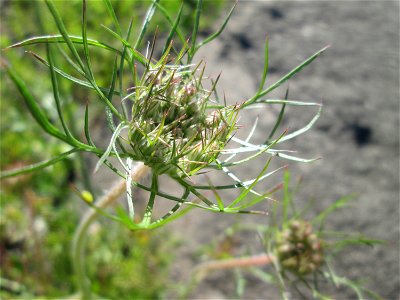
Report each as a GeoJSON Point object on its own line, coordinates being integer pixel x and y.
{"type": "Point", "coordinates": [239, 262]}
{"type": "Point", "coordinates": [78, 243]}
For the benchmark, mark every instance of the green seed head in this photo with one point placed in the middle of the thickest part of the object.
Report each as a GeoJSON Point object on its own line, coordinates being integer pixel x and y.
{"type": "Point", "coordinates": [171, 130]}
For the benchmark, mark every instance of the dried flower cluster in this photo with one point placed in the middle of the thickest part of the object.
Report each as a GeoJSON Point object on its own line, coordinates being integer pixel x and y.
{"type": "Point", "coordinates": [299, 250]}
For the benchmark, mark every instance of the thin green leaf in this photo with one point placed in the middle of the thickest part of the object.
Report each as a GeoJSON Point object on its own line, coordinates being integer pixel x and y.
{"type": "Point", "coordinates": [336, 205]}
{"type": "Point", "coordinates": [149, 16]}
{"type": "Point", "coordinates": [37, 166]}
{"type": "Point", "coordinates": [173, 30]}
{"type": "Point", "coordinates": [68, 76]}
{"type": "Point", "coordinates": [284, 78]}
{"type": "Point", "coordinates": [247, 190]}
{"type": "Point", "coordinates": [111, 11]}
{"type": "Point", "coordinates": [109, 115]}
{"type": "Point", "coordinates": [64, 33]}
{"type": "Point", "coordinates": [304, 129]}
{"type": "Point", "coordinates": [196, 193]}
{"type": "Point", "coordinates": [216, 34]}
{"type": "Point", "coordinates": [121, 71]}
{"type": "Point", "coordinates": [195, 30]}
{"type": "Point", "coordinates": [358, 240]}
{"type": "Point", "coordinates": [129, 194]}
{"type": "Point", "coordinates": [89, 71]}
{"type": "Point", "coordinates": [288, 102]}
{"type": "Point", "coordinates": [33, 107]}
{"type": "Point", "coordinates": [87, 132]}
{"type": "Point", "coordinates": [135, 54]}
{"type": "Point", "coordinates": [279, 120]}
{"type": "Point", "coordinates": [172, 215]}
{"type": "Point", "coordinates": [149, 209]}
{"type": "Point", "coordinates": [240, 184]}
{"type": "Point", "coordinates": [171, 22]}
{"type": "Point", "coordinates": [220, 203]}
{"type": "Point", "coordinates": [265, 70]}
{"type": "Point", "coordinates": [46, 39]}
{"type": "Point", "coordinates": [295, 158]}
{"type": "Point", "coordinates": [71, 62]}
{"type": "Point", "coordinates": [56, 94]}
{"type": "Point", "coordinates": [106, 154]}
{"type": "Point", "coordinates": [287, 197]}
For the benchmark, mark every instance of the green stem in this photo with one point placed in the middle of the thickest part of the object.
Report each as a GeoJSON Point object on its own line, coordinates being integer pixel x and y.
{"type": "Point", "coordinates": [78, 243]}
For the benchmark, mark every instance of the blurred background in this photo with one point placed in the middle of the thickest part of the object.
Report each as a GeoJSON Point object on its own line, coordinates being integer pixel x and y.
{"type": "Point", "coordinates": [357, 137]}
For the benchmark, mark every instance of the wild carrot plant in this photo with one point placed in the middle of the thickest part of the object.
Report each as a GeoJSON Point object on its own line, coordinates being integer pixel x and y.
{"type": "Point", "coordinates": [165, 116]}
{"type": "Point", "coordinates": [299, 252]}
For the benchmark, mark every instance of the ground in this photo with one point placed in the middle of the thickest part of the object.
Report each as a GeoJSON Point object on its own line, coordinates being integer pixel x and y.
{"type": "Point", "coordinates": [357, 136]}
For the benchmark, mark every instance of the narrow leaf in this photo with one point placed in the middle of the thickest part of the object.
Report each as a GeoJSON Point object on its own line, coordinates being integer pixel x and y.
{"type": "Point", "coordinates": [64, 33]}
{"type": "Point", "coordinates": [33, 107]}
{"type": "Point", "coordinates": [56, 94]}
{"type": "Point", "coordinates": [106, 154]}
{"type": "Point", "coordinates": [195, 29]}
{"type": "Point", "coordinates": [284, 78]}
{"type": "Point", "coordinates": [87, 132]}
{"type": "Point", "coordinates": [149, 16]}
{"type": "Point", "coordinates": [216, 34]}
{"type": "Point", "coordinates": [37, 166]}
{"type": "Point", "coordinates": [304, 129]}
{"type": "Point", "coordinates": [173, 29]}
{"type": "Point", "coordinates": [47, 39]}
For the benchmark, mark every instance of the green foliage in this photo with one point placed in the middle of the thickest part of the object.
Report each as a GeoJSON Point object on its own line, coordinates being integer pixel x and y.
{"type": "Point", "coordinates": [161, 143]}
{"type": "Point", "coordinates": [100, 70]}
{"type": "Point", "coordinates": [298, 251]}
{"type": "Point", "coordinates": [122, 262]}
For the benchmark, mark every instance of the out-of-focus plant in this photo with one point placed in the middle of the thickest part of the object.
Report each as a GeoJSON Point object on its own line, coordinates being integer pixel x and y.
{"type": "Point", "coordinates": [37, 261]}
{"type": "Point", "coordinates": [299, 252]}
{"type": "Point", "coordinates": [164, 115]}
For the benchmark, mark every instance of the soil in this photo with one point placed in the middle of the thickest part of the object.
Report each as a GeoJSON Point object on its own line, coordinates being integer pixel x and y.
{"type": "Point", "coordinates": [357, 136]}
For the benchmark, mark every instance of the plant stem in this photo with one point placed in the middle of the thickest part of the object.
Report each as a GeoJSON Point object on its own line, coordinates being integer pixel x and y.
{"type": "Point", "coordinates": [78, 243]}
{"type": "Point", "coordinates": [241, 262]}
